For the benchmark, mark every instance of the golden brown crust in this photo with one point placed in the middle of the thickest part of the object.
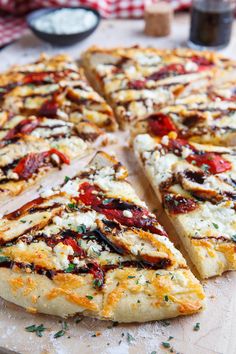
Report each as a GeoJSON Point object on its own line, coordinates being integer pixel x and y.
{"type": "Point", "coordinates": [66, 295]}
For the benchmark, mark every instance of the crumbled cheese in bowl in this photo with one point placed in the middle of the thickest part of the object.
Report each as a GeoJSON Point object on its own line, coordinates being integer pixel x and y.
{"type": "Point", "coordinates": [66, 21]}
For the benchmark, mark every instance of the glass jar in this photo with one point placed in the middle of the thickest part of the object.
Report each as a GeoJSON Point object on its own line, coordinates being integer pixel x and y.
{"type": "Point", "coordinates": [211, 23]}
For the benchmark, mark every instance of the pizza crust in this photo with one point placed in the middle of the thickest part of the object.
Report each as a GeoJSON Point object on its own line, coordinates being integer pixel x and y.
{"type": "Point", "coordinates": [68, 295]}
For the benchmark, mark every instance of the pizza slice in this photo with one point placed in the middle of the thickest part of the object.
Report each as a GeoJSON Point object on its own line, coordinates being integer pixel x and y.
{"type": "Point", "coordinates": [205, 117]}
{"type": "Point", "coordinates": [94, 248]}
{"type": "Point", "coordinates": [26, 160]}
{"type": "Point", "coordinates": [54, 88]}
{"type": "Point", "coordinates": [38, 145]}
{"type": "Point", "coordinates": [137, 81]}
{"type": "Point", "coordinates": [196, 184]}
{"type": "Point", "coordinates": [52, 129]}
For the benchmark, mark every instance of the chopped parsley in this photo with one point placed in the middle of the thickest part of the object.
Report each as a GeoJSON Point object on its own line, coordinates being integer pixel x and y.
{"type": "Point", "coordinates": [153, 352]}
{"type": "Point", "coordinates": [107, 201]}
{"type": "Point", "coordinates": [66, 179]}
{"type": "Point", "coordinates": [205, 167]}
{"type": "Point", "coordinates": [23, 221]}
{"type": "Point", "coordinates": [89, 297]}
{"type": "Point", "coordinates": [233, 237]}
{"type": "Point", "coordinates": [70, 268]}
{"type": "Point", "coordinates": [38, 330]}
{"type": "Point", "coordinates": [215, 225]}
{"type": "Point", "coordinates": [72, 206]}
{"type": "Point", "coordinates": [4, 259]}
{"type": "Point", "coordinates": [166, 298]}
{"type": "Point", "coordinates": [168, 197]}
{"type": "Point", "coordinates": [97, 282]}
{"type": "Point", "coordinates": [196, 327]}
{"type": "Point", "coordinates": [130, 338]}
{"type": "Point", "coordinates": [81, 229]}
{"type": "Point", "coordinates": [165, 344]}
{"type": "Point", "coordinates": [170, 337]}
{"type": "Point", "coordinates": [131, 276]}
{"type": "Point", "coordinates": [59, 333]}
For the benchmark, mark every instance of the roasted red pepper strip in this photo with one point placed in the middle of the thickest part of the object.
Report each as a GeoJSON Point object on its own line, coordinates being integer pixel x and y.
{"type": "Point", "coordinates": [77, 249]}
{"type": "Point", "coordinates": [176, 204]}
{"type": "Point", "coordinates": [26, 126]}
{"type": "Point", "coordinates": [202, 62]}
{"type": "Point", "coordinates": [113, 209]}
{"type": "Point", "coordinates": [160, 124]}
{"type": "Point", "coordinates": [176, 146]}
{"type": "Point", "coordinates": [166, 71]}
{"type": "Point", "coordinates": [49, 109]}
{"type": "Point", "coordinates": [45, 77]}
{"type": "Point", "coordinates": [33, 161]}
{"type": "Point", "coordinates": [213, 162]}
{"type": "Point", "coordinates": [137, 84]}
{"type": "Point", "coordinates": [38, 77]}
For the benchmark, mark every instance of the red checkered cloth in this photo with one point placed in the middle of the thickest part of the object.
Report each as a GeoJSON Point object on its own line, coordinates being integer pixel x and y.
{"type": "Point", "coordinates": [13, 24]}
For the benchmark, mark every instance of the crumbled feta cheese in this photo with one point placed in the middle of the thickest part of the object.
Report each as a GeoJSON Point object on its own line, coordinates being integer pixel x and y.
{"type": "Point", "coordinates": [71, 187]}
{"type": "Point", "coordinates": [62, 252]}
{"type": "Point", "coordinates": [165, 140]}
{"type": "Point", "coordinates": [76, 219]}
{"type": "Point", "coordinates": [191, 66]}
{"type": "Point", "coordinates": [93, 248]}
{"type": "Point", "coordinates": [127, 214]}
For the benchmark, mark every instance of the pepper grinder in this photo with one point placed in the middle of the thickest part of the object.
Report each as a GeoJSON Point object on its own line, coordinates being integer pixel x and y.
{"type": "Point", "coordinates": [211, 24]}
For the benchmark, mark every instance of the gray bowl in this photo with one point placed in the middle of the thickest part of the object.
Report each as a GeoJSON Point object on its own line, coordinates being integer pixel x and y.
{"type": "Point", "coordinates": [60, 39]}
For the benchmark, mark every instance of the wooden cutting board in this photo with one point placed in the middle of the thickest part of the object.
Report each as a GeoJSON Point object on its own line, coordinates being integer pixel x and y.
{"type": "Point", "coordinates": [217, 322]}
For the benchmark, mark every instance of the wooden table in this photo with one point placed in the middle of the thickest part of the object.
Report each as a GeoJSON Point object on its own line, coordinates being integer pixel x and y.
{"type": "Point", "coordinates": [217, 322]}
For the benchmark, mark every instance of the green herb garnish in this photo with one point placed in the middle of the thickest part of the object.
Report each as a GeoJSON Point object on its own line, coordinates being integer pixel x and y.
{"type": "Point", "coordinates": [166, 298]}
{"type": "Point", "coordinates": [70, 268]}
{"type": "Point", "coordinates": [38, 330]}
{"type": "Point", "coordinates": [59, 334]}
{"type": "Point", "coordinates": [215, 225]}
{"type": "Point", "coordinates": [131, 276]}
{"type": "Point", "coordinates": [165, 344]}
{"type": "Point", "coordinates": [72, 206]}
{"type": "Point", "coordinates": [66, 179]}
{"type": "Point", "coordinates": [97, 282]}
{"type": "Point", "coordinates": [233, 237]}
{"type": "Point", "coordinates": [130, 338]}
{"type": "Point", "coordinates": [196, 327]}
{"type": "Point", "coordinates": [107, 201]}
{"type": "Point", "coordinates": [89, 297]}
{"type": "Point", "coordinates": [4, 259]}
{"type": "Point", "coordinates": [81, 229]}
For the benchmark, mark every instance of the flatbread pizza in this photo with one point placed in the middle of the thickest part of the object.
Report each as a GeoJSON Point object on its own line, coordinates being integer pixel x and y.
{"type": "Point", "coordinates": [93, 248]}
{"type": "Point", "coordinates": [196, 184]}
